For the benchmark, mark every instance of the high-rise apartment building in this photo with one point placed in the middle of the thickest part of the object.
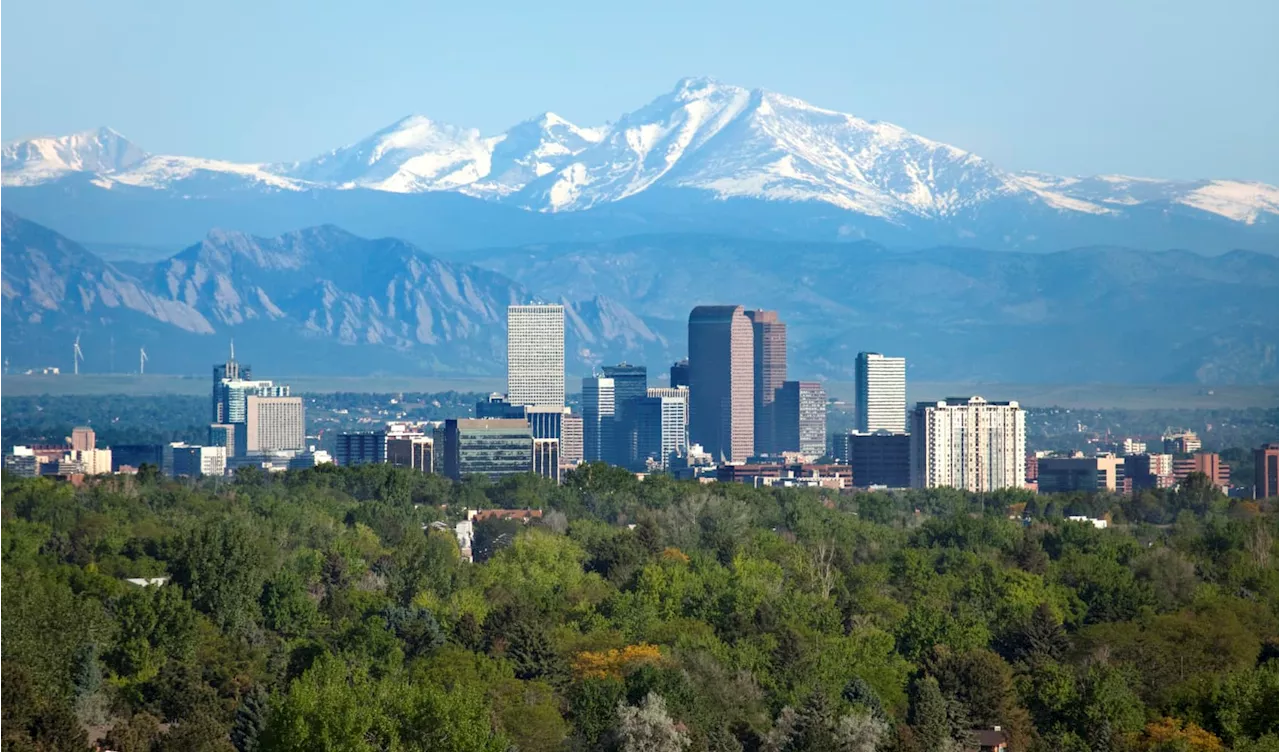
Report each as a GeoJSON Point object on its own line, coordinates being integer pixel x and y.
{"type": "Point", "coordinates": [494, 447]}
{"type": "Point", "coordinates": [1266, 470]}
{"type": "Point", "coordinates": [880, 386]}
{"type": "Point", "coordinates": [968, 443]}
{"type": "Point", "coordinates": [680, 373]}
{"type": "Point", "coordinates": [769, 359]}
{"type": "Point", "coordinates": [535, 355]}
{"type": "Point", "coordinates": [597, 418]}
{"type": "Point", "coordinates": [274, 424]}
{"type": "Point", "coordinates": [722, 382]}
{"type": "Point", "coordinates": [571, 441]}
{"type": "Point", "coordinates": [800, 418]}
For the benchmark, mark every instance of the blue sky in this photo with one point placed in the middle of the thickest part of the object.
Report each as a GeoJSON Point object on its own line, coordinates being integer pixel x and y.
{"type": "Point", "coordinates": [1179, 88]}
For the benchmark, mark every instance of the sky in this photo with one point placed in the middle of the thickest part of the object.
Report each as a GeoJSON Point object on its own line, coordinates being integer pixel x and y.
{"type": "Point", "coordinates": [1172, 88]}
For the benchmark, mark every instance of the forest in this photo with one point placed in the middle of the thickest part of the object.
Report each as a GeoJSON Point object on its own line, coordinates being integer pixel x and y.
{"type": "Point", "coordinates": [323, 610]}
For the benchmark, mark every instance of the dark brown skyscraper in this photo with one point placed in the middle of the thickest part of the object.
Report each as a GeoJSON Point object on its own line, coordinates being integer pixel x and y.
{"type": "Point", "coordinates": [721, 382]}
{"type": "Point", "coordinates": [769, 355]}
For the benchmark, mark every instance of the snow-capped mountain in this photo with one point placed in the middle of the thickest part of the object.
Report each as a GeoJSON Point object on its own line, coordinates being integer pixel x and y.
{"type": "Point", "coordinates": [40, 160]}
{"type": "Point", "coordinates": [704, 141]}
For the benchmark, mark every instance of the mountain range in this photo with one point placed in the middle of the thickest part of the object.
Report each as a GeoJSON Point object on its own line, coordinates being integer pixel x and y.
{"type": "Point", "coordinates": [324, 301]}
{"type": "Point", "coordinates": [705, 157]}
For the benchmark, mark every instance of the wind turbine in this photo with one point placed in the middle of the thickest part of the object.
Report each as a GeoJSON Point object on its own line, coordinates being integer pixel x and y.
{"type": "Point", "coordinates": [142, 360]}
{"type": "Point", "coordinates": [77, 356]}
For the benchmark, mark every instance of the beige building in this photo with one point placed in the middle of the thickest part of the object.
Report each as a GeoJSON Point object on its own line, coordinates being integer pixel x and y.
{"type": "Point", "coordinates": [571, 441]}
{"type": "Point", "coordinates": [94, 461]}
{"type": "Point", "coordinates": [274, 424]}
{"type": "Point", "coordinates": [82, 438]}
{"type": "Point", "coordinates": [968, 443]}
{"type": "Point", "coordinates": [535, 355]}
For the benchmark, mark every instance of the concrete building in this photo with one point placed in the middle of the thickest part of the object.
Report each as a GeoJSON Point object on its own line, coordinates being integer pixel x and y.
{"type": "Point", "coordinates": [546, 458]}
{"type": "Point", "coordinates": [722, 382]}
{"type": "Point", "coordinates": [136, 455]}
{"type": "Point", "coordinates": [311, 458]}
{"type": "Point", "coordinates": [787, 475]}
{"type": "Point", "coordinates": [22, 462]}
{"type": "Point", "coordinates": [769, 361]}
{"type": "Point", "coordinates": [1266, 469]}
{"type": "Point", "coordinates": [660, 428]}
{"type": "Point", "coordinates": [1181, 442]}
{"type": "Point", "coordinates": [1130, 447]}
{"type": "Point", "coordinates": [229, 371]}
{"type": "Point", "coordinates": [546, 422]}
{"type": "Point", "coordinates": [416, 452]}
{"type": "Point", "coordinates": [571, 441]}
{"type": "Point", "coordinates": [1081, 474]}
{"type": "Point", "coordinates": [360, 447]}
{"type": "Point", "coordinates": [1149, 471]}
{"type": "Point", "coordinates": [82, 439]}
{"type": "Point", "coordinates": [233, 397]}
{"type": "Point", "coordinates": [680, 373]}
{"type": "Point", "coordinates": [184, 460]}
{"type": "Point", "coordinates": [970, 444]}
{"type": "Point", "coordinates": [880, 386]}
{"type": "Point", "coordinates": [1209, 463]}
{"type": "Point", "coordinates": [681, 393]}
{"type": "Point", "coordinates": [224, 435]}
{"type": "Point", "coordinates": [800, 418]}
{"type": "Point", "coordinates": [597, 418]}
{"type": "Point", "coordinates": [497, 406]}
{"type": "Point", "coordinates": [630, 384]}
{"type": "Point", "coordinates": [92, 461]}
{"type": "Point", "coordinates": [494, 447]}
{"type": "Point", "coordinates": [877, 459]}
{"type": "Point", "coordinates": [535, 355]}
{"type": "Point", "coordinates": [274, 424]}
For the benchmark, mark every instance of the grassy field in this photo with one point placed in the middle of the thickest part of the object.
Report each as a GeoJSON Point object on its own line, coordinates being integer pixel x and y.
{"type": "Point", "coordinates": [1133, 397]}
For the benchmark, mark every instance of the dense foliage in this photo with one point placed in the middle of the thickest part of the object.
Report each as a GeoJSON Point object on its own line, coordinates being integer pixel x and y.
{"type": "Point", "coordinates": [322, 610]}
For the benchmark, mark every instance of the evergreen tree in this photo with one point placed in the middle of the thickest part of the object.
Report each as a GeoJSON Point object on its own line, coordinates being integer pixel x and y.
{"type": "Point", "coordinates": [858, 693]}
{"type": "Point", "coordinates": [929, 714]}
{"type": "Point", "coordinates": [250, 720]}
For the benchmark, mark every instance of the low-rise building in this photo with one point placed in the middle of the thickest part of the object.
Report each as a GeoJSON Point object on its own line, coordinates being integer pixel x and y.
{"type": "Point", "coordinates": [494, 447]}
{"type": "Point", "coordinates": [780, 474]}
{"type": "Point", "coordinates": [1209, 463]}
{"type": "Point", "coordinates": [1072, 474]}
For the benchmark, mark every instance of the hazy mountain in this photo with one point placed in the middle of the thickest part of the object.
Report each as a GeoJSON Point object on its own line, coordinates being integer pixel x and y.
{"type": "Point", "coordinates": [705, 156]}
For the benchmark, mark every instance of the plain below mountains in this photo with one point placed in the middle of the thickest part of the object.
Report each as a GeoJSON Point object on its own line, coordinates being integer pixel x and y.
{"type": "Point", "coordinates": [705, 157]}
{"type": "Point", "coordinates": [324, 301]}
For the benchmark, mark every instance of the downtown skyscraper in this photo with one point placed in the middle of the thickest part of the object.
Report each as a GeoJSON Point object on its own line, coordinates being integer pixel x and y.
{"type": "Point", "coordinates": [880, 386]}
{"type": "Point", "coordinates": [597, 418]}
{"type": "Point", "coordinates": [769, 360]}
{"type": "Point", "coordinates": [722, 382]}
{"type": "Point", "coordinates": [535, 355]}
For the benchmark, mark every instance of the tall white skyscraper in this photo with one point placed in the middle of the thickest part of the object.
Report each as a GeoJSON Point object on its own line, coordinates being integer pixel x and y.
{"type": "Point", "coordinates": [597, 418]}
{"type": "Point", "coordinates": [535, 355]}
{"type": "Point", "coordinates": [881, 393]}
{"type": "Point", "coordinates": [968, 443]}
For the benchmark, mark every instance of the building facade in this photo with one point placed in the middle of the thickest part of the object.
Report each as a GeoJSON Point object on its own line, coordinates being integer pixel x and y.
{"type": "Point", "coordinates": [597, 418]}
{"type": "Point", "coordinates": [1080, 474]}
{"type": "Point", "coordinates": [1181, 442]}
{"type": "Point", "coordinates": [82, 439]}
{"type": "Point", "coordinates": [571, 440]}
{"type": "Point", "coordinates": [416, 452]}
{"type": "Point", "coordinates": [722, 382]}
{"type": "Point", "coordinates": [1209, 463]}
{"type": "Point", "coordinates": [360, 447]}
{"type": "Point", "coordinates": [630, 384]}
{"type": "Point", "coordinates": [1266, 470]}
{"type": "Point", "coordinates": [880, 386]}
{"type": "Point", "coordinates": [680, 373]}
{"type": "Point", "coordinates": [800, 418]}
{"type": "Point", "coordinates": [968, 443]}
{"type": "Point", "coordinates": [877, 459]}
{"type": "Point", "coordinates": [274, 424]}
{"type": "Point", "coordinates": [769, 360]}
{"type": "Point", "coordinates": [182, 460]}
{"type": "Point", "coordinates": [535, 355]}
{"type": "Point", "coordinates": [136, 455]}
{"type": "Point", "coordinates": [546, 458]}
{"type": "Point", "coordinates": [1149, 471]}
{"type": "Point", "coordinates": [493, 447]}
{"type": "Point", "coordinates": [93, 461]}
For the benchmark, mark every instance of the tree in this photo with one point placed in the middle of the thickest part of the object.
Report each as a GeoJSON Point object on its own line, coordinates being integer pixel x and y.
{"type": "Point", "coordinates": [929, 716]}
{"type": "Point", "coordinates": [860, 694]}
{"type": "Point", "coordinates": [219, 564]}
{"type": "Point", "coordinates": [138, 733]}
{"type": "Point", "coordinates": [648, 728]}
{"type": "Point", "coordinates": [250, 720]}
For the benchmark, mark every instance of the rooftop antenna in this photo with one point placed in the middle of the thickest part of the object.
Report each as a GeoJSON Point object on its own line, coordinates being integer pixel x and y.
{"type": "Point", "coordinates": [142, 360]}
{"type": "Point", "coordinates": [77, 356]}
{"type": "Point", "coordinates": [233, 349]}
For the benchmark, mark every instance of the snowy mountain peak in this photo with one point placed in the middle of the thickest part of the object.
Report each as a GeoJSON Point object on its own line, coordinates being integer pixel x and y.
{"type": "Point", "coordinates": [37, 160]}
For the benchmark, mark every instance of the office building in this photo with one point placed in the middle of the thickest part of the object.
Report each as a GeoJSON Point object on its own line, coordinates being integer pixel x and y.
{"type": "Point", "coordinates": [494, 447]}
{"type": "Point", "coordinates": [535, 355]}
{"type": "Point", "coordinates": [497, 406]}
{"type": "Point", "coordinates": [274, 424]}
{"type": "Point", "coordinates": [1266, 467]}
{"type": "Point", "coordinates": [680, 373]}
{"type": "Point", "coordinates": [22, 462]}
{"type": "Point", "coordinates": [880, 386]}
{"type": "Point", "coordinates": [224, 435]}
{"type": "Point", "coordinates": [571, 441]}
{"type": "Point", "coordinates": [311, 458]}
{"type": "Point", "coordinates": [800, 418]}
{"type": "Point", "coordinates": [597, 418]}
{"type": "Point", "coordinates": [546, 422]}
{"type": "Point", "coordinates": [722, 382]}
{"type": "Point", "coordinates": [229, 371]}
{"type": "Point", "coordinates": [787, 475]}
{"type": "Point", "coordinates": [1130, 447]}
{"type": "Point", "coordinates": [881, 459]}
{"type": "Point", "coordinates": [136, 455]}
{"type": "Point", "coordinates": [82, 439]}
{"type": "Point", "coordinates": [681, 393]}
{"type": "Point", "coordinates": [1209, 463]}
{"type": "Point", "coordinates": [1181, 442]}
{"type": "Point", "coordinates": [414, 451]}
{"type": "Point", "coordinates": [92, 461]}
{"type": "Point", "coordinates": [769, 361]}
{"type": "Point", "coordinates": [360, 447]}
{"type": "Point", "coordinates": [630, 383]}
{"type": "Point", "coordinates": [1149, 471]}
{"type": "Point", "coordinates": [660, 430]}
{"type": "Point", "coordinates": [546, 458]}
{"type": "Point", "coordinates": [183, 460]}
{"type": "Point", "coordinates": [1081, 474]}
{"type": "Point", "coordinates": [968, 443]}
